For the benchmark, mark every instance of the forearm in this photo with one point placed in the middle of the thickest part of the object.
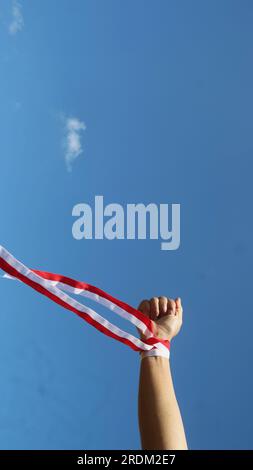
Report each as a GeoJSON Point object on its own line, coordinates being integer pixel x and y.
{"type": "Point", "coordinates": [160, 421]}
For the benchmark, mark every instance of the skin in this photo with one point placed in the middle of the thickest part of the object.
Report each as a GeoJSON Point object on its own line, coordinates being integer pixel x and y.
{"type": "Point", "coordinates": [160, 422]}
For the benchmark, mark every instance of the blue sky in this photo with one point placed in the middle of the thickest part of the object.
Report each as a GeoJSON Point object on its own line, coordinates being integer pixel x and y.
{"type": "Point", "coordinates": [165, 91]}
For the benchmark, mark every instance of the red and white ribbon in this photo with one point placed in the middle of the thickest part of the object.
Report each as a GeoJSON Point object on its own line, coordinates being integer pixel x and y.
{"type": "Point", "coordinates": [57, 288]}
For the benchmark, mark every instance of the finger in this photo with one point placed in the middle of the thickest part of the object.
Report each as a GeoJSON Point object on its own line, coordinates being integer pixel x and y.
{"type": "Point", "coordinates": [154, 308]}
{"type": "Point", "coordinates": [171, 307]}
{"type": "Point", "coordinates": [162, 306]}
{"type": "Point", "coordinates": [179, 308]}
{"type": "Point", "coordinates": [144, 307]}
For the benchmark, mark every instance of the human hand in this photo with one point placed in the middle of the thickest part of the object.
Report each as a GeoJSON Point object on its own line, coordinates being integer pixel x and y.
{"type": "Point", "coordinates": [166, 315]}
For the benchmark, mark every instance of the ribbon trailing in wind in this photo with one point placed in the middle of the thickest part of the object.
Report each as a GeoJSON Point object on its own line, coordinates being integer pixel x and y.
{"type": "Point", "coordinates": [58, 289]}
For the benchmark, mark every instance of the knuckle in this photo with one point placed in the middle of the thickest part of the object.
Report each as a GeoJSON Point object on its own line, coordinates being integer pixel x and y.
{"type": "Point", "coordinates": [144, 303]}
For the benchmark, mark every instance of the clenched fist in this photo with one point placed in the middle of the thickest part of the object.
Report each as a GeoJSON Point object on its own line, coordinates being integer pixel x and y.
{"type": "Point", "coordinates": [166, 314]}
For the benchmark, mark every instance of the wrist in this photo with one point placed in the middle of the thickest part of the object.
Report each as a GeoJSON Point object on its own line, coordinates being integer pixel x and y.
{"type": "Point", "coordinates": [163, 353]}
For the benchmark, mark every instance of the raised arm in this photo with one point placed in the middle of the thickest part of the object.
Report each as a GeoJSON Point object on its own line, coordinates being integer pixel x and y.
{"type": "Point", "coordinates": [160, 421]}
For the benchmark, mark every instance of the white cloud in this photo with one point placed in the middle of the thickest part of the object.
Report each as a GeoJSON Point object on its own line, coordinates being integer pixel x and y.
{"type": "Point", "coordinates": [73, 144]}
{"type": "Point", "coordinates": [17, 22]}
